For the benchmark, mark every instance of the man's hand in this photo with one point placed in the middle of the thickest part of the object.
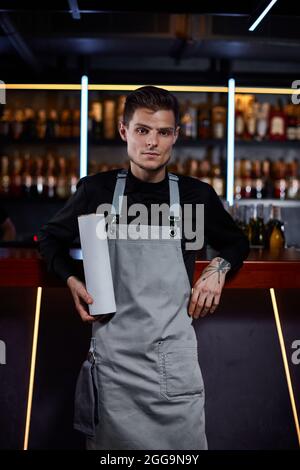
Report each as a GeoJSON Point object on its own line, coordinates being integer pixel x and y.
{"type": "Point", "coordinates": [81, 298]}
{"type": "Point", "coordinates": [207, 290]}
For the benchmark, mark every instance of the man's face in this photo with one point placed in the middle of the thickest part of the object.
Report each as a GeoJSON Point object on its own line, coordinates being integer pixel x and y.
{"type": "Point", "coordinates": [150, 137]}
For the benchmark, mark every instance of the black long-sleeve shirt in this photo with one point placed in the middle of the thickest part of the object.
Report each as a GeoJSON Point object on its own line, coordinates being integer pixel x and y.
{"type": "Point", "coordinates": [220, 230]}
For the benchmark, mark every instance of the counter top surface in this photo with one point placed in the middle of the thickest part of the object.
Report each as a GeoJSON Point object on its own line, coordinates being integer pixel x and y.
{"type": "Point", "coordinates": [262, 269]}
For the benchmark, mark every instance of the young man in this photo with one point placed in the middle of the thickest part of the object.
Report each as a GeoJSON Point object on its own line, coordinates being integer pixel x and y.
{"type": "Point", "coordinates": [141, 386]}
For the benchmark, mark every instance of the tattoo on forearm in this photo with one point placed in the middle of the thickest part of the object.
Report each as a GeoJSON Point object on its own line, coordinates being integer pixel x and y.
{"type": "Point", "coordinates": [222, 266]}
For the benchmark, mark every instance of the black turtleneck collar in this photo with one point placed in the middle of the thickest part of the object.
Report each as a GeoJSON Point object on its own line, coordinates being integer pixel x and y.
{"type": "Point", "coordinates": [133, 183]}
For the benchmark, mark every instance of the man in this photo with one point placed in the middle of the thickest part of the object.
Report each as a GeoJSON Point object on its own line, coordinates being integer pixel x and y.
{"type": "Point", "coordinates": [141, 386]}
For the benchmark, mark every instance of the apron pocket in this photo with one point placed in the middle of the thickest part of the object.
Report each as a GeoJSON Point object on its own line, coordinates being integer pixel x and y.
{"type": "Point", "coordinates": [86, 414]}
{"type": "Point", "coordinates": [181, 373]}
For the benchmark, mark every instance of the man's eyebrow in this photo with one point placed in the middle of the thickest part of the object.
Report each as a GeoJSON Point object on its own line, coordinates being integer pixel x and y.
{"type": "Point", "coordinates": [139, 124]}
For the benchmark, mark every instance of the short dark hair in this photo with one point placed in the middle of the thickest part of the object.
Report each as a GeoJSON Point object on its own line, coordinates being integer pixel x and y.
{"type": "Point", "coordinates": [150, 97]}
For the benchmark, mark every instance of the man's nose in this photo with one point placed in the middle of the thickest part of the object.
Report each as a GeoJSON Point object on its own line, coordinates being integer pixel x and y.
{"type": "Point", "coordinates": [152, 139]}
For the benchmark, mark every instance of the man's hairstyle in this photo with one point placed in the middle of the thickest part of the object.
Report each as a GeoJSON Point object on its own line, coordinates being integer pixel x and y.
{"type": "Point", "coordinates": [150, 97]}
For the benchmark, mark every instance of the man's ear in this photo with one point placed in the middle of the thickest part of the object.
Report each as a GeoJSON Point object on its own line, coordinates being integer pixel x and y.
{"type": "Point", "coordinates": [123, 131]}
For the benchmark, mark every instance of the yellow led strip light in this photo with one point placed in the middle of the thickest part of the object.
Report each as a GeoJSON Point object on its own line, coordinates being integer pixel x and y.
{"type": "Point", "coordinates": [32, 365]}
{"type": "Point", "coordinates": [285, 362]}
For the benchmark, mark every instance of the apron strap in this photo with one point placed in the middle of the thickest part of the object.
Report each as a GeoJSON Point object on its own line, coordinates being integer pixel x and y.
{"type": "Point", "coordinates": [174, 195]}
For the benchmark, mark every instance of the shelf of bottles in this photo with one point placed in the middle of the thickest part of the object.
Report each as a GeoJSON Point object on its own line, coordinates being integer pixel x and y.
{"type": "Point", "coordinates": [199, 151]}
{"type": "Point", "coordinates": [39, 144]}
{"type": "Point", "coordinates": [267, 147]}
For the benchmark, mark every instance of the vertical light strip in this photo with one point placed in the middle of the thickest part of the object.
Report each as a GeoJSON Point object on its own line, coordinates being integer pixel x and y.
{"type": "Point", "coordinates": [32, 365]}
{"type": "Point", "coordinates": [262, 15]}
{"type": "Point", "coordinates": [230, 140]}
{"type": "Point", "coordinates": [83, 126]}
{"type": "Point", "coordinates": [285, 362]}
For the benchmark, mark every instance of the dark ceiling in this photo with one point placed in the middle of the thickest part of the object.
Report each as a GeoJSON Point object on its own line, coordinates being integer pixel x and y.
{"type": "Point", "coordinates": [168, 42]}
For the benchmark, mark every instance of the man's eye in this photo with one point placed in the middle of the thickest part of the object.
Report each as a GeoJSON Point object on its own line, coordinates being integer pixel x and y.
{"type": "Point", "coordinates": [165, 132]}
{"type": "Point", "coordinates": [141, 130]}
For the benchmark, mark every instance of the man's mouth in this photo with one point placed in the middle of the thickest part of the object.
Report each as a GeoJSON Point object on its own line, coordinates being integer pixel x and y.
{"type": "Point", "coordinates": [153, 154]}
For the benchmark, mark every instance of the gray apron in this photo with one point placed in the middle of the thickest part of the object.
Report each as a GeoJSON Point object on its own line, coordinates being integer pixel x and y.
{"type": "Point", "coordinates": [141, 386]}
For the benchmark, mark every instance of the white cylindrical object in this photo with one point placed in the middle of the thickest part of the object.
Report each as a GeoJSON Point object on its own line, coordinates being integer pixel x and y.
{"type": "Point", "coordinates": [96, 263]}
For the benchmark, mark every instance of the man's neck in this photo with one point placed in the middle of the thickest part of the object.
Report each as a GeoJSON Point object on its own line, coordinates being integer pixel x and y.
{"type": "Point", "coordinates": [148, 176]}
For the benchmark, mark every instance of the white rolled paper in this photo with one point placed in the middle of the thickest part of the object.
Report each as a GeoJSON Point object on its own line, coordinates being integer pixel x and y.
{"type": "Point", "coordinates": [96, 263]}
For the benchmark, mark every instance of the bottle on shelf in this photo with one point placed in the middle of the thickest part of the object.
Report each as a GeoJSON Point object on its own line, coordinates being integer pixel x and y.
{"type": "Point", "coordinates": [29, 124]}
{"type": "Point", "coordinates": [277, 124]}
{"type": "Point", "coordinates": [4, 178]}
{"type": "Point", "coordinates": [291, 121]}
{"type": "Point", "coordinates": [188, 121]}
{"type": "Point", "coordinates": [250, 120]}
{"type": "Point", "coordinates": [17, 124]}
{"type": "Point", "coordinates": [204, 120]}
{"type": "Point", "coordinates": [41, 124]}
{"type": "Point", "coordinates": [52, 125]}
{"type": "Point", "coordinates": [258, 233]}
{"type": "Point", "coordinates": [239, 120]}
{"type": "Point", "coordinates": [275, 239]}
{"type": "Point", "coordinates": [96, 120]}
{"type": "Point", "coordinates": [219, 116]}
{"type": "Point", "coordinates": [109, 118]}
{"type": "Point", "coordinates": [217, 177]}
{"type": "Point", "coordinates": [262, 123]}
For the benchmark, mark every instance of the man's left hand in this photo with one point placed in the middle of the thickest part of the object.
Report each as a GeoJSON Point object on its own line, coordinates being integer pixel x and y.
{"type": "Point", "coordinates": [207, 290]}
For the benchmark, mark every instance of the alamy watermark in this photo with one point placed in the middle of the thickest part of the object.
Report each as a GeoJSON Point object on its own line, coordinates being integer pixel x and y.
{"type": "Point", "coordinates": [2, 352]}
{"type": "Point", "coordinates": [296, 93]}
{"type": "Point", "coordinates": [190, 227]}
{"type": "Point", "coordinates": [296, 354]}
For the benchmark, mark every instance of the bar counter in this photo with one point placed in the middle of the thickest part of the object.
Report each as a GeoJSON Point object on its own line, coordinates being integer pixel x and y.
{"type": "Point", "coordinates": [263, 269]}
{"type": "Point", "coordinates": [249, 353]}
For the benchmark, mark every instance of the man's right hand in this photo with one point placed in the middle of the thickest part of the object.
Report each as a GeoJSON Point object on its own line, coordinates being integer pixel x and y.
{"type": "Point", "coordinates": [81, 298]}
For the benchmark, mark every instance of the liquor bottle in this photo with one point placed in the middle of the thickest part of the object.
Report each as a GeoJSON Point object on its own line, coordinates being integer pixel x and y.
{"type": "Point", "coordinates": [109, 119]}
{"type": "Point", "coordinates": [188, 121]}
{"type": "Point", "coordinates": [29, 124]}
{"type": "Point", "coordinates": [275, 229]}
{"type": "Point", "coordinates": [239, 120]}
{"type": "Point", "coordinates": [50, 178]}
{"type": "Point", "coordinates": [268, 186]}
{"type": "Point", "coordinates": [217, 178]}
{"type": "Point", "coordinates": [97, 120]}
{"type": "Point", "coordinates": [17, 124]}
{"type": "Point", "coordinates": [27, 176]}
{"type": "Point", "coordinates": [66, 124]}
{"type": "Point", "coordinates": [262, 124]}
{"type": "Point", "coordinates": [204, 121]}
{"type": "Point", "coordinates": [250, 120]}
{"type": "Point", "coordinates": [62, 189]}
{"type": "Point", "coordinates": [280, 182]}
{"type": "Point", "coordinates": [293, 182]}
{"type": "Point", "coordinates": [257, 182]}
{"type": "Point", "coordinates": [4, 178]}
{"type": "Point", "coordinates": [72, 175]}
{"type": "Point", "coordinates": [237, 180]}
{"type": "Point", "coordinates": [76, 123]}
{"type": "Point", "coordinates": [291, 122]}
{"type": "Point", "coordinates": [246, 180]}
{"type": "Point", "coordinates": [52, 125]}
{"type": "Point", "coordinates": [16, 179]}
{"type": "Point", "coordinates": [219, 119]}
{"type": "Point", "coordinates": [39, 178]}
{"type": "Point", "coordinates": [258, 232]}
{"type": "Point", "coordinates": [277, 123]}
{"type": "Point", "coordinates": [5, 122]}
{"type": "Point", "coordinates": [41, 124]}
